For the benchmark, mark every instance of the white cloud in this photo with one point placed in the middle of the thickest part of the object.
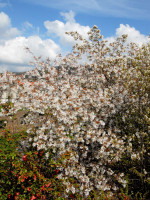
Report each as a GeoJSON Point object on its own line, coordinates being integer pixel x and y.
{"type": "Point", "coordinates": [69, 16]}
{"type": "Point", "coordinates": [12, 46]}
{"type": "Point", "coordinates": [6, 29]}
{"type": "Point", "coordinates": [27, 25]}
{"type": "Point", "coordinates": [46, 48]}
{"type": "Point", "coordinates": [58, 28]}
{"type": "Point", "coordinates": [13, 51]}
{"type": "Point", "coordinates": [29, 29]}
{"type": "Point", "coordinates": [4, 21]}
{"type": "Point", "coordinates": [117, 8]}
{"type": "Point", "coordinates": [133, 35]}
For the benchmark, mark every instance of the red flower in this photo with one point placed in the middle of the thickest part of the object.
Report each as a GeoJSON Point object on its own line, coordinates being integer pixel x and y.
{"type": "Point", "coordinates": [71, 195]}
{"type": "Point", "coordinates": [41, 153]}
{"type": "Point", "coordinates": [28, 189]}
{"type": "Point", "coordinates": [34, 177]}
{"type": "Point", "coordinates": [17, 194]}
{"type": "Point", "coordinates": [22, 180]}
{"type": "Point", "coordinates": [125, 197]}
{"type": "Point", "coordinates": [57, 170]}
{"type": "Point", "coordinates": [47, 185]}
{"type": "Point", "coordinates": [33, 197]}
{"type": "Point", "coordinates": [43, 188]}
{"type": "Point", "coordinates": [24, 158]}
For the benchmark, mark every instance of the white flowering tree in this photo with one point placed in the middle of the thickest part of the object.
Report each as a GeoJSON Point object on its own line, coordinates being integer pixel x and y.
{"type": "Point", "coordinates": [83, 111]}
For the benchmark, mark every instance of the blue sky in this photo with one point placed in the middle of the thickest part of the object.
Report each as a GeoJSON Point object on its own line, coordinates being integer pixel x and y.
{"type": "Point", "coordinates": [41, 25]}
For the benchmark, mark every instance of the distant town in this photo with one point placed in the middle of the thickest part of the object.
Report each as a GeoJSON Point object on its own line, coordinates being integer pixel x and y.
{"type": "Point", "coordinates": [16, 73]}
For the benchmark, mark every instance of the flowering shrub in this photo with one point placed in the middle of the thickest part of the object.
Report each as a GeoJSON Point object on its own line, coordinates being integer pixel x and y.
{"type": "Point", "coordinates": [26, 175]}
{"type": "Point", "coordinates": [88, 114]}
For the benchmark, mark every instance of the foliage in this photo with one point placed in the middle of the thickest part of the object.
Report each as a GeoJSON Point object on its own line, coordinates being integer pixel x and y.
{"type": "Point", "coordinates": [26, 175]}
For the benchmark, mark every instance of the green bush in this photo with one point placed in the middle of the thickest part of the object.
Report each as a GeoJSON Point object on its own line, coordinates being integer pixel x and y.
{"type": "Point", "coordinates": [26, 175]}
{"type": "Point", "coordinates": [134, 123]}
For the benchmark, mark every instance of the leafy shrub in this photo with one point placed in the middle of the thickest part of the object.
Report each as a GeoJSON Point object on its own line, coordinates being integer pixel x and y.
{"type": "Point", "coordinates": [26, 175]}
